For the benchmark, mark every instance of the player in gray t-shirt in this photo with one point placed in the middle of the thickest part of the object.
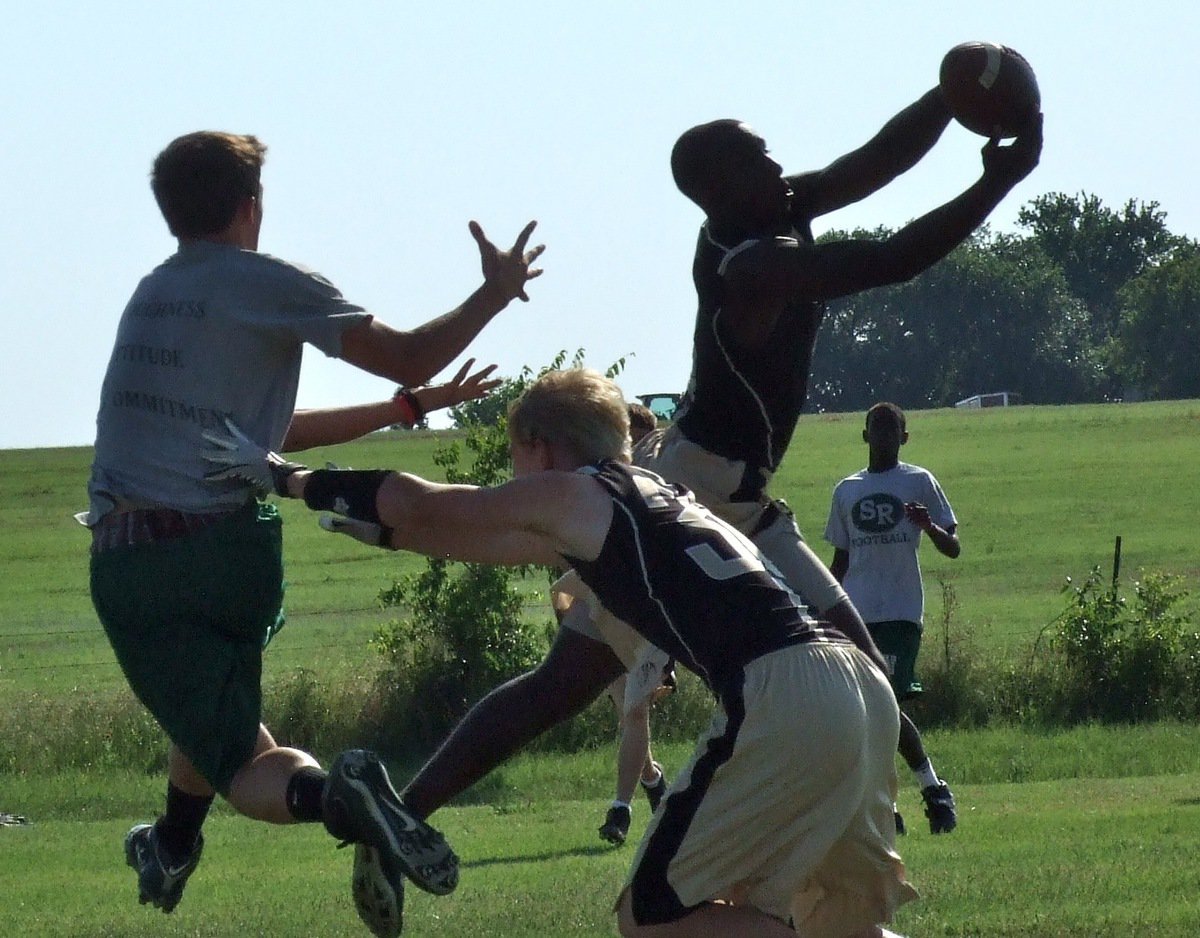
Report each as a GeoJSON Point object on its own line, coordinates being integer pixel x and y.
{"type": "Point", "coordinates": [186, 574]}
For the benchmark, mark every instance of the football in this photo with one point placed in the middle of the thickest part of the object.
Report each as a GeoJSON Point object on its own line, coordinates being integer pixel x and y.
{"type": "Point", "coordinates": [990, 89]}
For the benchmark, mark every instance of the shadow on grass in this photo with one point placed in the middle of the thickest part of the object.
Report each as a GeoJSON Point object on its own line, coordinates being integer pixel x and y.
{"type": "Point", "coordinates": [538, 857]}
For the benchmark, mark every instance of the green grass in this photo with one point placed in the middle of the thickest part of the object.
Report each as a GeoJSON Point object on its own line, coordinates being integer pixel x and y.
{"type": "Point", "coordinates": [1041, 494]}
{"type": "Point", "coordinates": [1083, 832]}
{"type": "Point", "coordinates": [1095, 838]}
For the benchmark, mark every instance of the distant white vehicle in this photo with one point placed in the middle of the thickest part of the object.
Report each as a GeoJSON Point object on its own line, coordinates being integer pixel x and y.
{"type": "Point", "coordinates": [994, 399]}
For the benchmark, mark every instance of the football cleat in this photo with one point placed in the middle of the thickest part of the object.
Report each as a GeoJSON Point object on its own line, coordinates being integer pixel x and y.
{"type": "Point", "coordinates": [901, 830]}
{"type": "Point", "coordinates": [361, 807]}
{"type": "Point", "coordinates": [160, 878]}
{"type": "Point", "coordinates": [378, 893]}
{"type": "Point", "coordinates": [616, 824]}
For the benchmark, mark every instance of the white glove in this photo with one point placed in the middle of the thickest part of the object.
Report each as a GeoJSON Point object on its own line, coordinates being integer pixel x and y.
{"type": "Point", "coordinates": [238, 457]}
{"type": "Point", "coordinates": [374, 534]}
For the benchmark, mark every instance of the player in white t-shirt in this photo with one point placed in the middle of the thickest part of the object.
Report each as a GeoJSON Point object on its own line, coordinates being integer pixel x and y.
{"type": "Point", "coordinates": [875, 524]}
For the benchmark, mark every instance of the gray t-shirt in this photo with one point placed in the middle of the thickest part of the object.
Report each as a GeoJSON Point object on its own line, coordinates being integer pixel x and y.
{"type": "Point", "coordinates": [213, 331]}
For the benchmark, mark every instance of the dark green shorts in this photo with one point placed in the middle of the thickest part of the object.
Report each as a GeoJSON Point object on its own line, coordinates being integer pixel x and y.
{"type": "Point", "coordinates": [188, 618]}
{"type": "Point", "coordinates": [899, 641]}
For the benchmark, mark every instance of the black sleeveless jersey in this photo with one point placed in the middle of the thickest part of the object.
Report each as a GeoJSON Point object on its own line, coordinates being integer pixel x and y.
{"type": "Point", "coordinates": [743, 404]}
{"type": "Point", "coordinates": [687, 581]}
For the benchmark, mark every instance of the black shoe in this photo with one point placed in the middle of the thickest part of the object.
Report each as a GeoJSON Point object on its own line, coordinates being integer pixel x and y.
{"type": "Point", "coordinates": [901, 830]}
{"type": "Point", "coordinates": [378, 893]}
{"type": "Point", "coordinates": [160, 878]}
{"type": "Point", "coordinates": [655, 790]}
{"type": "Point", "coordinates": [939, 808]}
{"type": "Point", "coordinates": [616, 824]}
{"type": "Point", "coordinates": [361, 807]}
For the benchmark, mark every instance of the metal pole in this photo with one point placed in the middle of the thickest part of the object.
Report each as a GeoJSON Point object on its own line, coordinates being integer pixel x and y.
{"type": "Point", "coordinates": [1116, 564]}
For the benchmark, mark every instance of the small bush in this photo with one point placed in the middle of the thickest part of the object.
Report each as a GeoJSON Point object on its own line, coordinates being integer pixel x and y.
{"type": "Point", "coordinates": [317, 715]}
{"type": "Point", "coordinates": [1118, 661]}
{"type": "Point", "coordinates": [465, 633]}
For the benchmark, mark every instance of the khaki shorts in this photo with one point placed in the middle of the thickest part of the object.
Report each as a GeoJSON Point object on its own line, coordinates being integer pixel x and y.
{"type": "Point", "coordinates": [787, 802]}
{"type": "Point", "coordinates": [770, 524]}
{"type": "Point", "coordinates": [187, 619]}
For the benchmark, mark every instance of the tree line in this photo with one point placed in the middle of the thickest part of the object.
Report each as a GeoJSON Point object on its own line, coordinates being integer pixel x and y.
{"type": "Point", "coordinates": [1086, 304]}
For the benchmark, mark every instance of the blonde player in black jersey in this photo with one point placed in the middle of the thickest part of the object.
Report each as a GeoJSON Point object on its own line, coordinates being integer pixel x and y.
{"type": "Point", "coordinates": [781, 824]}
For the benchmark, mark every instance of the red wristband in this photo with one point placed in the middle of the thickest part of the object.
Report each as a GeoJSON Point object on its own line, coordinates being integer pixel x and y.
{"type": "Point", "coordinates": [413, 413]}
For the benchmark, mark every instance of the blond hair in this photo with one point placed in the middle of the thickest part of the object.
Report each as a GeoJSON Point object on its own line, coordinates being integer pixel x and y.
{"type": "Point", "coordinates": [200, 179]}
{"type": "Point", "coordinates": [577, 408]}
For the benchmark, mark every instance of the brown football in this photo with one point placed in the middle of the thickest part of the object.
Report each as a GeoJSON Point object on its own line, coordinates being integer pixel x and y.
{"type": "Point", "coordinates": [991, 89]}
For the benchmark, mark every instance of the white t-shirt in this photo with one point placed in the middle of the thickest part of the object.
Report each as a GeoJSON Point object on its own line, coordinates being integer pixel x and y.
{"type": "Point", "coordinates": [213, 331]}
{"type": "Point", "coordinates": [866, 519]}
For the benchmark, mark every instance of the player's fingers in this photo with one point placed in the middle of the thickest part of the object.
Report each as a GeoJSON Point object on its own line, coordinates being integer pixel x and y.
{"type": "Point", "coordinates": [477, 233]}
{"type": "Point", "coordinates": [523, 238]}
{"type": "Point", "coordinates": [462, 372]}
{"type": "Point", "coordinates": [482, 374]}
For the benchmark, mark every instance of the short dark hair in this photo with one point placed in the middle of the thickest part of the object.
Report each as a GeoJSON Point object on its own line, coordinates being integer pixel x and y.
{"type": "Point", "coordinates": [892, 410]}
{"type": "Point", "coordinates": [641, 417]}
{"type": "Point", "coordinates": [201, 178]}
{"type": "Point", "coordinates": [692, 156]}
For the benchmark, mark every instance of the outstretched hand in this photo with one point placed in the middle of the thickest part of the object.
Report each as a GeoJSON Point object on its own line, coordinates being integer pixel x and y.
{"type": "Point", "coordinates": [507, 272]}
{"type": "Point", "coordinates": [1017, 160]}
{"type": "Point", "coordinates": [462, 387]}
{"type": "Point", "coordinates": [235, 456]}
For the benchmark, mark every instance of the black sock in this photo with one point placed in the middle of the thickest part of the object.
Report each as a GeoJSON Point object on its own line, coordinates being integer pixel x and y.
{"type": "Point", "coordinates": [304, 793]}
{"type": "Point", "coordinates": [179, 827]}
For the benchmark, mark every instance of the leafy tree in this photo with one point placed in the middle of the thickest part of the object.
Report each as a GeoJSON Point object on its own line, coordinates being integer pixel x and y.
{"type": "Point", "coordinates": [1158, 348]}
{"type": "Point", "coordinates": [1099, 250]}
{"type": "Point", "coordinates": [995, 314]}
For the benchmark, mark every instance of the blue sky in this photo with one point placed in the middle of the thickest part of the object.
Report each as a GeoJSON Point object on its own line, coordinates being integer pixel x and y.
{"type": "Point", "coordinates": [390, 125]}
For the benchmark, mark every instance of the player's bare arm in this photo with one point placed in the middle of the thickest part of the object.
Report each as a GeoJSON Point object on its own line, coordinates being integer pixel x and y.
{"type": "Point", "coordinates": [896, 148]}
{"type": "Point", "coordinates": [775, 272]}
{"type": "Point", "coordinates": [534, 519]}
{"type": "Point", "coordinates": [840, 564]}
{"type": "Point", "coordinates": [414, 356]}
{"type": "Point", "coordinates": [944, 539]}
{"type": "Point", "coordinates": [332, 425]}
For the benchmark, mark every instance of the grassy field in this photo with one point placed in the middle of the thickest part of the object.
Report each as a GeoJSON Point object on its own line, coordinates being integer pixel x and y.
{"type": "Point", "coordinates": [1085, 832]}
{"type": "Point", "coordinates": [1041, 494]}
{"type": "Point", "coordinates": [1071, 848]}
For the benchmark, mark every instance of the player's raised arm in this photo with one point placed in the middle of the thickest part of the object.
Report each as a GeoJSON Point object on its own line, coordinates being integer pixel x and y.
{"type": "Point", "coordinates": [896, 148]}
{"type": "Point", "coordinates": [774, 272]}
{"type": "Point", "coordinates": [414, 356]}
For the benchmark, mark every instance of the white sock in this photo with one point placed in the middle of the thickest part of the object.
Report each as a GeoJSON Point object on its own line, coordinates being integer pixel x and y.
{"type": "Point", "coordinates": [654, 781]}
{"type": "Point", "coordinates": [926, 776]}
{"type": "Point", "coordinates": [617, 803]}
